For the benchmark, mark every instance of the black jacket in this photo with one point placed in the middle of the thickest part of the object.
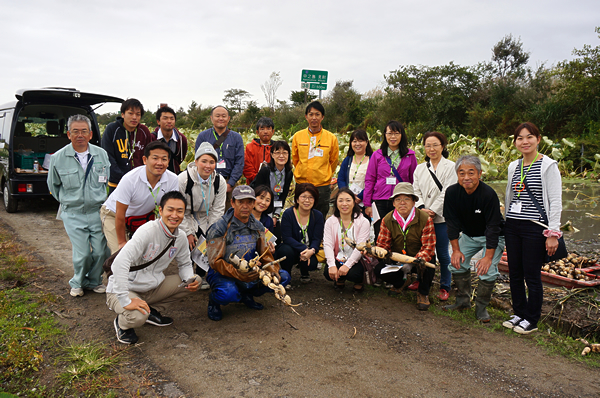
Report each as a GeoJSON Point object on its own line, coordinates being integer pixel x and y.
{"type": "Point", "coordinates": [264, 178]}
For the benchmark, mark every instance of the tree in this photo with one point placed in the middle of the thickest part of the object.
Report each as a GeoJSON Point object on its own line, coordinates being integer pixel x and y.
{"type": "Point", "coordinates": [509, 57]}
{"type": "Point", "coordinates": [234, 97]}
{"type": "Point", "coordinates": [297, 97]}
{"type": "Point", "coordinates": [270, 89]}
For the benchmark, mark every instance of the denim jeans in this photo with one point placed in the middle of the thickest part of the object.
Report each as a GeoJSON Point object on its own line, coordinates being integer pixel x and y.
{"type": "Point", "coordinates": [441, 251]}
{"type": "Point", "coordinates": [227, 290]}
{"type": "Point", "coordinates": [470, 246]}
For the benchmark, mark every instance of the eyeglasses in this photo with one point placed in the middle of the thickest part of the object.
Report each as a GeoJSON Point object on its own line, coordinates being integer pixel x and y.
{"type": "Point", "coordinates": [303, 198]}
{"type": "Point", "coordinates": [393, 134]}
{"type": "Point", "coordinates": [402, 200]}
{"type": "Point", "coordinates": [78, 132]}
{"type": "Point", "coordinates": [281, 153]}
{"type": "Point", "coordinates": [432, 146]}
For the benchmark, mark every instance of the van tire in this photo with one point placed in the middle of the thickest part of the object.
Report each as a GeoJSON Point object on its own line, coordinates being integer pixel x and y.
{"type": "Point", "coordinates": [10, 203]}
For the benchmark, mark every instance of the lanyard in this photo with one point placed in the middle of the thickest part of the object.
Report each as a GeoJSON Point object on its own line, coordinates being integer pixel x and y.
{"type": "Point", "coordinates": [398, 218]}
{"type": "Point", "coordinates": [131, 145]}
{"type": "Point", "coordinates": [520, 186]}
{"type": "Point", "coordinates": [220, 146]}
{"type": "Point", "coordinates": [358, 167]}
{"type": "Point", "coordinates": [154, 197]}
{"type": "Point", "coordinates": [394, 161]}
{"type": "Point", "coordinates": [206, 204]}
{"type": "Point", "coordinates": [343, 233]}
{"type": "Point", "coordinates": [303, 228]}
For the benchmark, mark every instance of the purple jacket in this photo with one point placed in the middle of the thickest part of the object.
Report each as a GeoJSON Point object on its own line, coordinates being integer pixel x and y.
{"type": "Point", "coordinates": [379, 169]}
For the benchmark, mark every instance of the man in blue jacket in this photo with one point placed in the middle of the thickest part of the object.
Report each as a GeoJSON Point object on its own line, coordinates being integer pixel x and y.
{"type": "Point", "coordinates": [77, 179]}
{"type": "Point", "coordinates": [229, 146]}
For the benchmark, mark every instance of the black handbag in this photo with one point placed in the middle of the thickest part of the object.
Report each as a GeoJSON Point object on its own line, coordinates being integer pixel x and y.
{"type": "Point", "coordinates": [561, 250]}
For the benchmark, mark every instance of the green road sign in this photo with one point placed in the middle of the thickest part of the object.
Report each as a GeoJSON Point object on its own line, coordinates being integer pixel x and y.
{"type": "Point", "coordinates": [313, 86]}
{"type": "Point", "coordinates": [316, 76]}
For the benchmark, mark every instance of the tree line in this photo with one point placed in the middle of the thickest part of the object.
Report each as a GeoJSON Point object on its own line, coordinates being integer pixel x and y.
{"type": "Point", "coordinates": [487, 100]}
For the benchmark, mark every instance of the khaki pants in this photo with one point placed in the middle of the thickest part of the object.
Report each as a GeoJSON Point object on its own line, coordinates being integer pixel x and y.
{"type": "Point", "coordinates": [168, 291]}
{"type": "Point", "coordinates": [108, 227]}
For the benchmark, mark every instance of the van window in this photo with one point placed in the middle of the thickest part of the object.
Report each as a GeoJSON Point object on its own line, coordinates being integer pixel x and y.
{"type": "Point", "coordinates": [45, 120]}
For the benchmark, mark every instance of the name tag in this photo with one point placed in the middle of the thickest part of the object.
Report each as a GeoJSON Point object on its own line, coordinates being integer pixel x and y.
{"type": "Point", "coordinates": [101, 179]}
{"type": "Point", "coordinates": [390, 181]}
{"type": "Point", "coordinates": [515, 207]}
{"type": "Point", "coordinates": [221, 164]}
{"type": "Point", "coordinates": [278, 203]}
{"type": "Point", "coordinates": [319, 152]}
{"type": "Point", "coordinates": [355, 188]}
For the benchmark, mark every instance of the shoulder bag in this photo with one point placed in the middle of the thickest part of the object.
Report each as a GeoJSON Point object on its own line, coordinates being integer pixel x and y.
{"type": "Point", "coordinates": [107, 266]}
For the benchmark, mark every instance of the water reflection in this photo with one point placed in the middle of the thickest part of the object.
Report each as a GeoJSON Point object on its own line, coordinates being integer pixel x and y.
{"type": "Point", "coordinates": [580, 205]}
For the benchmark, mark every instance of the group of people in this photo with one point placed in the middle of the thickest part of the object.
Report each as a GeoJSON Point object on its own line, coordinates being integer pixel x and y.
{"type": "Point", "coordinates": [129, 200]}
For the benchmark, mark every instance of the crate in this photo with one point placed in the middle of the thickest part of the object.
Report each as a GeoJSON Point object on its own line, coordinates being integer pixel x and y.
{"type": "Point", "coordinates": [26, 161]}
{"type": "Point", "coordinates": [559, 280]}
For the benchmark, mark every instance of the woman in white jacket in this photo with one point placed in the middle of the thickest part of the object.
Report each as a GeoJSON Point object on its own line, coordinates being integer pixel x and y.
{"type": "Point", "coordinates": [347, 221]}
{"type": "Point", "coordinates": [430, 182]}
{"type": "Point", "coordinates": [533, 208]}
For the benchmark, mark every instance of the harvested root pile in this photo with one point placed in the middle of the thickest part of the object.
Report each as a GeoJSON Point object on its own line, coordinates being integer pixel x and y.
{"type": "Point", "coordinates": [576, 312]}
{"type": "Point", "coordinates": [266, 277]}
{"type": "Point", "coordinates": [589, 347]}
{"type": "Point", "coordinates": [381, 253]}
{"type": "Point", "coordinates": [570, 266]}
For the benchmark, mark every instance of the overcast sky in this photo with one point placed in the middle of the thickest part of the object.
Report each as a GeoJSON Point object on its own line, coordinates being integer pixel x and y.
{"type": "Point", "coordinates": [179, 51]}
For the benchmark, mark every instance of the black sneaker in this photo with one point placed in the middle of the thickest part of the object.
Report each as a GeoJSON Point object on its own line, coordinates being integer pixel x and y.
{"type": "Point", "coordinates": [125, 336]}
{"type": "Point", "coordinates": [156, 319]}
{"type": "Point", "coordinates": [512, 322]}
{"type": "Point", "coordinates": [524, 327]}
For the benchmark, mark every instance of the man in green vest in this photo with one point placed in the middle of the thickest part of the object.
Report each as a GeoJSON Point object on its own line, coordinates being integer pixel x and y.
{"type": "Point", "coordinates": [410, 231]}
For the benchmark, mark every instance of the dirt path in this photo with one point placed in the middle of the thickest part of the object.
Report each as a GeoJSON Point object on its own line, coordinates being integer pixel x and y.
{"type": "Point", "coordinates": [397, 351]}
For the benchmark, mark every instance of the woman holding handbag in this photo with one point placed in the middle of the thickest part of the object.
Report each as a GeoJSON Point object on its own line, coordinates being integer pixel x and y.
{"type": "Point", "coordinates": [343, 260]}
{"type": "Point", "coordinates": [532, 231]}
{"type": "Point", "coordinates": [394, 162]}
{"type": "Point", "coordinates": [430, 182]}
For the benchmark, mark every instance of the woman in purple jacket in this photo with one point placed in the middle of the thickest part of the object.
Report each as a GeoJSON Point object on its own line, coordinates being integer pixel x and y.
{"type": "Point", "coordinates": [389, 165]}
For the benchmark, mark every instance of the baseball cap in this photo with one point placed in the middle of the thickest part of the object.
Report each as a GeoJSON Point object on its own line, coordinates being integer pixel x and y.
{"type": "Point", "coordinates": [206, 149]}
{"type": "Point", "coordinates": [243, 192]}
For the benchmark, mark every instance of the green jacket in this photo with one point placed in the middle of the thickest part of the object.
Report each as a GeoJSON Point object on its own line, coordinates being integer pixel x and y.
{"type": "Point", "coordinates": [74, 188]}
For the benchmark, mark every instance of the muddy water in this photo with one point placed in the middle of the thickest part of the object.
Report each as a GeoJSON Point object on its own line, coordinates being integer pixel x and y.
{"type": "Point", "coordinates": [581, 206]}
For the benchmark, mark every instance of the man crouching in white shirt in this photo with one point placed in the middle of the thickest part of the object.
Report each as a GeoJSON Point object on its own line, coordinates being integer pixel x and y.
{"type": "Point", "coordinates": [138, 296]}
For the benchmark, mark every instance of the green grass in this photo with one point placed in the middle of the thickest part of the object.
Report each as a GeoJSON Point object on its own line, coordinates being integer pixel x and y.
{"type": "Point", "coordinates": [31, 353]}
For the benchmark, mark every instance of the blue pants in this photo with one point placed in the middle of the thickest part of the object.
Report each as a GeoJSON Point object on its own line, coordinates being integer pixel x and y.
{"type": "Point", "coordinates": [227, 290]}
{"type": "Point", "coordinates": [470, 247]}
{"type": "Point", "coordinates": [526, 252]}
{"type": "Point", "coordinates": [89, 247]}
{"type": "Point", "coordinates": [441, 251]}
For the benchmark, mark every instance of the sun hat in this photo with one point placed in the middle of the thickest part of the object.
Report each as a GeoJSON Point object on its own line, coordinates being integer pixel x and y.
{"type": "Point", "coordinates": [404, 188]}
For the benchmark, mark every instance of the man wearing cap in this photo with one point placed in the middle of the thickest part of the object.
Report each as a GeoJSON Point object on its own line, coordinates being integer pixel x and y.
{"type": "Point", "coordinates": [167, 133]}
{"type": "Point", "coordinates": [136, 198]}
{"type": "Point", "coordinates": [315, 154]}
{"type": "Point", "coordinates": [229, 146]}
{"type": "Point", "coordinates": [77, 179]}
{"type": "Point", "coordinates": [237, 233]}
{"type": "Point", "coordinates": [475, 223]}
{"type": "Point", "coordinates": [408, 230]}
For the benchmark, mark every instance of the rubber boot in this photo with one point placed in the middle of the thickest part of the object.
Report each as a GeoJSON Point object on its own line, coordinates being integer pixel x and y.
{"type": "Point", "coordinates": [248, 300]}
{"type": "Point", "coordinates": [214, 309]}
{"type": "Point", "coordinates": [462, 280]}
{"type": "Point", "coordinates": [484, 295]}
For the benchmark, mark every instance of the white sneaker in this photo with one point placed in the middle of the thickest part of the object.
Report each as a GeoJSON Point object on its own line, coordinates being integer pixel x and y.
{"type": "Point", "coordinates": [99, 289]}
{"type": "Point", "coordinates": [76, 291]}
{"type": "Point", "coordinates": [204, 285]}
{"type": "Point", "coordinates": [524, 327]}
{"type": "Point", "coordinates": [512, 322]}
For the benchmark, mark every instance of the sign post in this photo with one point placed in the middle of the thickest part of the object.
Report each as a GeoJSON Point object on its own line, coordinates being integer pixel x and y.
{"type": "Point", "coordinates": [313, 80]}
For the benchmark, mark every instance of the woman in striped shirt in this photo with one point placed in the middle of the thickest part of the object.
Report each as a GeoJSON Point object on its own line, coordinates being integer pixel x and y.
{"type": "Point", "coordinates": [534, 204]}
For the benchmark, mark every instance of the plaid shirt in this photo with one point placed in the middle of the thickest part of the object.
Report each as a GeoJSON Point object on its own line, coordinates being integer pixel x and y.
{"type": "Point", "coordinates": [384, 240]}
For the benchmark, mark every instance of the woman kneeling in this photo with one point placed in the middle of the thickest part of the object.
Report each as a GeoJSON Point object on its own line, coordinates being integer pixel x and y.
{"type": "Point", "coordinates": [347, 222]}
